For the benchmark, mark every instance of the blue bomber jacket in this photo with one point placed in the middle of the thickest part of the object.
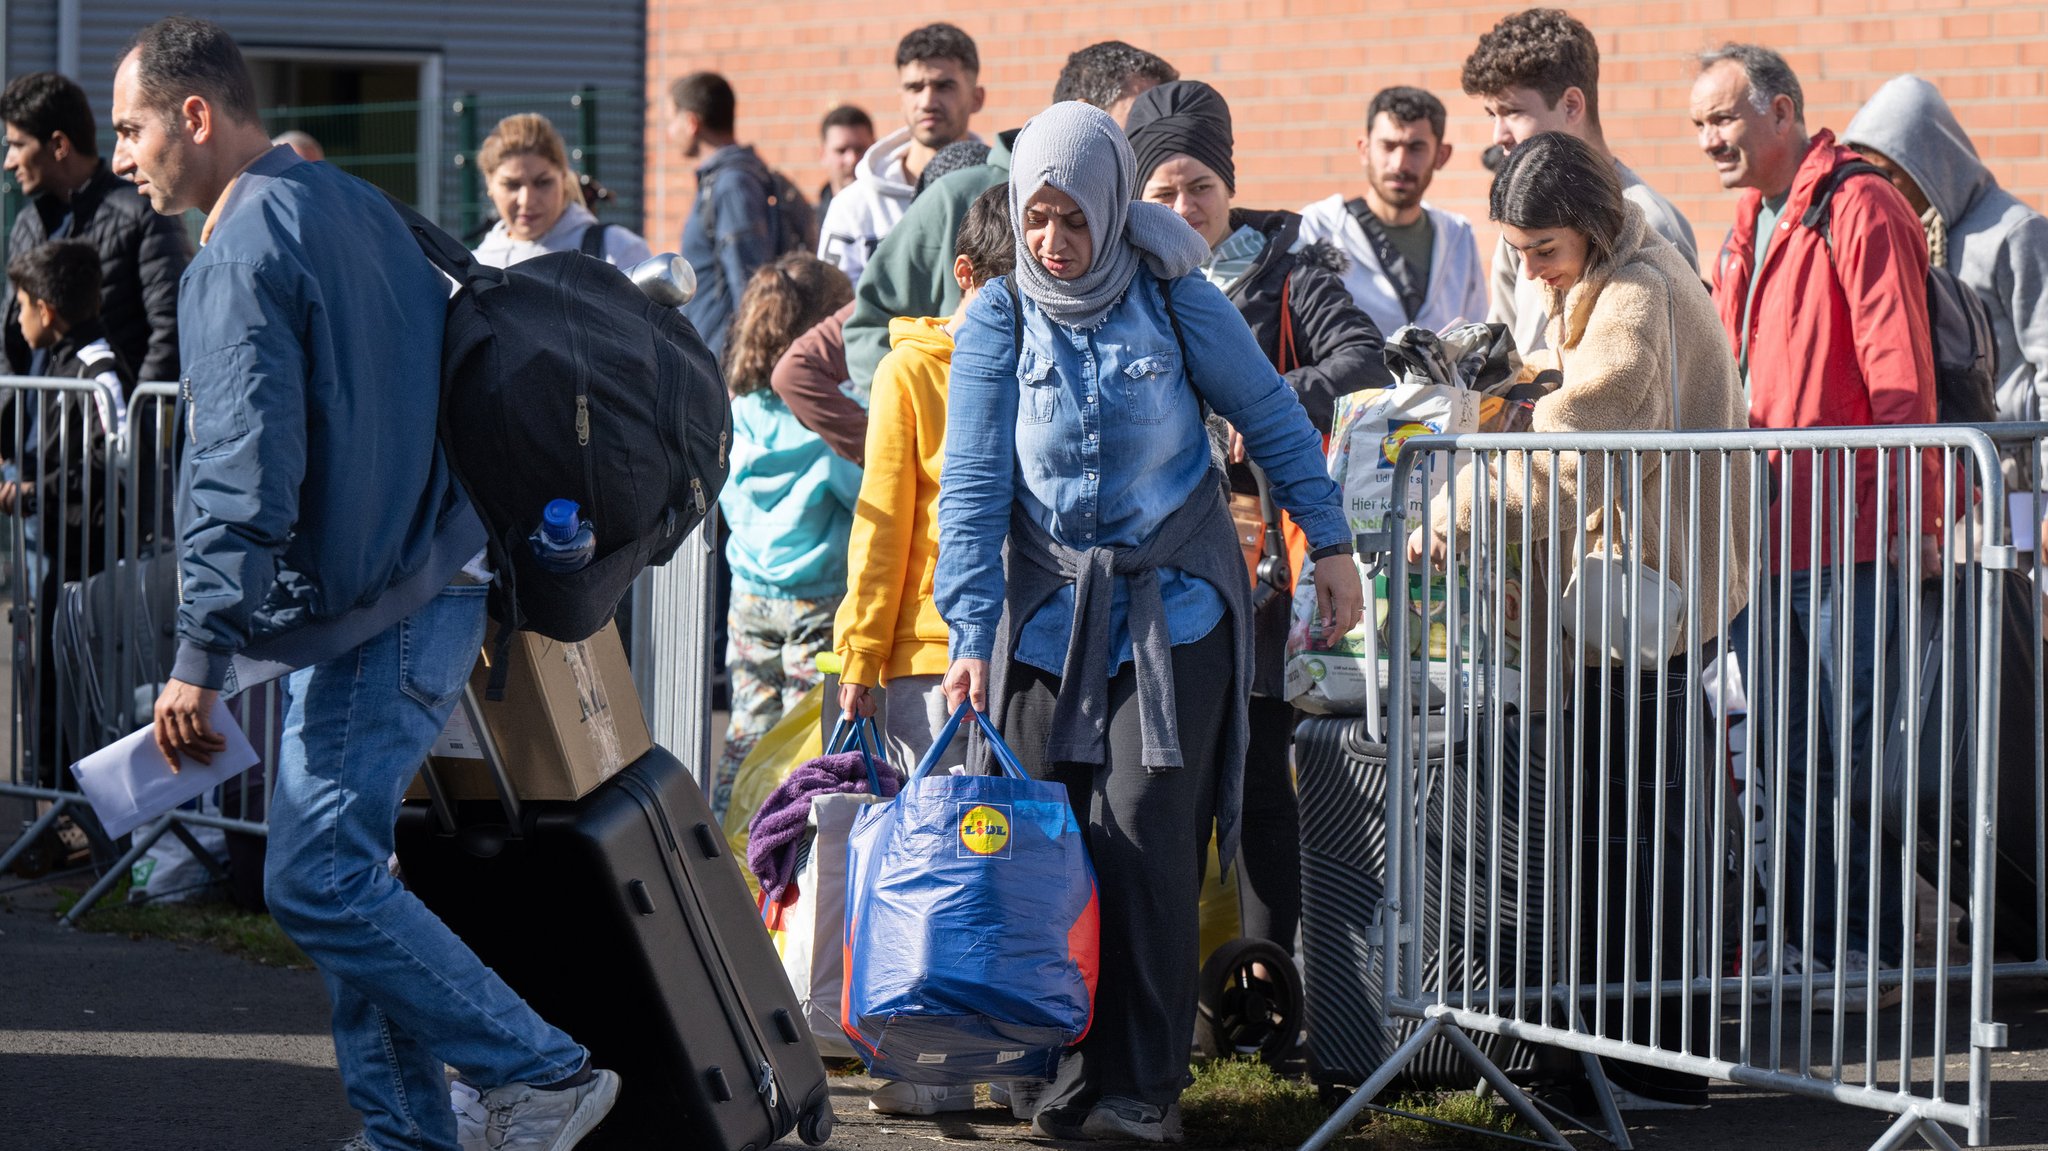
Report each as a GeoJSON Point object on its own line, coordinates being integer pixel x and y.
{"type": "Point", "coordinates": [315, 505]}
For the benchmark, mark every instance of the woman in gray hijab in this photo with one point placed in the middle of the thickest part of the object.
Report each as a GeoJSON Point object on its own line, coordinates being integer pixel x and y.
{"type": "Point", "coordinates": [1092, 581]}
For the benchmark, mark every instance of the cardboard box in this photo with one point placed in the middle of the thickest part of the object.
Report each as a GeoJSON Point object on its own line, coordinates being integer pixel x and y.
{"type": "Point", "coordinates": [569, 721]}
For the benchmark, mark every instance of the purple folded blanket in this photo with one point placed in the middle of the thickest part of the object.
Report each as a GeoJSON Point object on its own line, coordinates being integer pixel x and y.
{"type": "Point", "coordinates": [778, 828]}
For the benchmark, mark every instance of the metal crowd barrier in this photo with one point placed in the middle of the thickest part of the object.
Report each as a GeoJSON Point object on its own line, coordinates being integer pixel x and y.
{"type": "Point", "coordinates": [91, 578]}
{"type": "Point", "coordinates": [1713, 866]}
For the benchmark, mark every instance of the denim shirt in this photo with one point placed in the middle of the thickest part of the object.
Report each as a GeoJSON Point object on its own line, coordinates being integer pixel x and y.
{"type": "Point", "coordinates": [1098, 435]}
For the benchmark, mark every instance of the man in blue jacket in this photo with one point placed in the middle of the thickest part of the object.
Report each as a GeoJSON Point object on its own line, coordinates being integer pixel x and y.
{"type": "Point", "coordinates": [321, 534]}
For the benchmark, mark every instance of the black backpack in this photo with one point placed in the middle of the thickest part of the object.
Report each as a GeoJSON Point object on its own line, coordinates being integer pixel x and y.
{"type": "Point", "coordinates": [1958, 325]}
{"type": "Point", "coordinates": [790, 218]}
{"type": "Point", "coordinates": [561, 380]}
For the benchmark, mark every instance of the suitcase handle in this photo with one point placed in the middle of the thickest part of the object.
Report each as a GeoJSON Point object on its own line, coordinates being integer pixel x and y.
{"type": "Point", "coordinates": [444, 811]}
{"type": "Point", "coordinates": [1004, 757]}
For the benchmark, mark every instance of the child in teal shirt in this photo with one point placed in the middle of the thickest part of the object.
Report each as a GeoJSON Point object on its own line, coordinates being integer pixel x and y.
{"type": "Point", "coordinates": [789, 504]}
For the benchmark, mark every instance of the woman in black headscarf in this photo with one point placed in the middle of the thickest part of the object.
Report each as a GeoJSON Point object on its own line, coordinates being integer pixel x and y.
{"type": "Point", "coordinates": [1324, 346]}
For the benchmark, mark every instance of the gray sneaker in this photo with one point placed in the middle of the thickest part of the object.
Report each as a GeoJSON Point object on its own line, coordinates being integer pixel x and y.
{"type": "Point", "coordinates": [1129, 1120]}
{"type": "Point", "coordinates": [522, 1117]}
{"type": "Point", "coordinates": [1021, 1096]}
{"type": "Point", "coordinates": [360, 1141]}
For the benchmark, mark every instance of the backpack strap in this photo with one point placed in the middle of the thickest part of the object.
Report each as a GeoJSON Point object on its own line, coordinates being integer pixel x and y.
{"type": "Point", "coordinates": [1820, 211]}
{"type": "Point", "coordinates": [1017, 314]}
{"type": "Point", "coordinates": [1399, 272]}
{"type": "Point", "coordinates": [459, 264]}
{"type": "Point", "coordinates": [1179, 337]}
{"type": "Point", "coordinates": [593, 240]}
{"type": "Point", "coordinates": [443, 250]}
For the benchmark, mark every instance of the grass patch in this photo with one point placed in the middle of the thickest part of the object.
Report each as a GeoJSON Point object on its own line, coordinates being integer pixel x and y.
{"type": "Point", "coordinates": [1244, 1104]}
{"type": "Point", "coordinates": [1461, 1107]}
{"type": "Point", "coordinates": [223, 926]}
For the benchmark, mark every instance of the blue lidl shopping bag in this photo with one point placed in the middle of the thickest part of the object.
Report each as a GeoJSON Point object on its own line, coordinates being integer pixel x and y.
{"type": "Point", "coordinates": [972, 932]}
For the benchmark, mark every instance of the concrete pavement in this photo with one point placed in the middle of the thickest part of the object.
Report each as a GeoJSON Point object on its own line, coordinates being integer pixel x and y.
{"type": "Point", "coordinates": [110, 1044]}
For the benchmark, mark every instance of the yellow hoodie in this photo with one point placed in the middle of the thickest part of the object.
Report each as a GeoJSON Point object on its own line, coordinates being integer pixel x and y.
{"type": "Point", "coordinates": [887, 624]}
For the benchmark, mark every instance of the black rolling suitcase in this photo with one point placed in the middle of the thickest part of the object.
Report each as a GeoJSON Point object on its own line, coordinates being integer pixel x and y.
{"type": "Point", "coordinates": [1341, 774]}
{"type": "Point", "coordinates": [622, 919]}
{"type": "Point", "coordinates": [2016, 899]}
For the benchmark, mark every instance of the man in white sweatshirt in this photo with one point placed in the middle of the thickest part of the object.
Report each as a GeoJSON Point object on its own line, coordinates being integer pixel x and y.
{"type": "Point", "coordinates": [1410, 263]}
{"type": "Point", "coordinates": [1539, 71]}
{"type": "Point", "coordinates": [939, 70]}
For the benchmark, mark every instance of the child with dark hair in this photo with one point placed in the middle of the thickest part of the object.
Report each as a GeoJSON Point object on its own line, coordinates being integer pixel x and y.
{"type": "Point", "coordinates": [789, 502]}
{"type": "Point", "coordinates": [57, 292]}
{"type": "Point", "coordinates": [889, 631]}
{"type": "Point", "coordinates": [56, 447]}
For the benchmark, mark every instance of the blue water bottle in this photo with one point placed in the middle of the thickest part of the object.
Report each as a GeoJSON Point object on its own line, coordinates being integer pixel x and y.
{"type": "Point", "coordinates": [565, 541]}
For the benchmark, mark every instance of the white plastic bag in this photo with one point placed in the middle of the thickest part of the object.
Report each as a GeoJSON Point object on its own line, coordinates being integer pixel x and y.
{"type": "Point", "coordinates": [814, 927]}
{"type": "Point", "coordinates": [168, 872]}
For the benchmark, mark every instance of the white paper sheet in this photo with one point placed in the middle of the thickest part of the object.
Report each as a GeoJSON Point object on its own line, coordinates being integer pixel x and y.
{"type": "Point", "coordinates": [128, 783]}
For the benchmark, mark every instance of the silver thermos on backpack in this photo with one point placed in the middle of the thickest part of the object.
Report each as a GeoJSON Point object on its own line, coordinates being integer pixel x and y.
{"type": "Point", "coordinates": [668, 279]}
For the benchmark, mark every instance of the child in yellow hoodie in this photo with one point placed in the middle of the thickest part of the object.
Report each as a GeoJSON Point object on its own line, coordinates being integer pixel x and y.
{"type": "Point", "coordinates": [889, 632]}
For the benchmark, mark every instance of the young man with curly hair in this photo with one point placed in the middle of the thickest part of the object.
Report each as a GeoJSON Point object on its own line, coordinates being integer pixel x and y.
{"type": "Point", "coordinates": [1539, 71]}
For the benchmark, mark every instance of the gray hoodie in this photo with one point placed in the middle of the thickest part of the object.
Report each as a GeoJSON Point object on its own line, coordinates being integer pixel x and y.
{"type": "Point", "coordinates": [1996, 244]}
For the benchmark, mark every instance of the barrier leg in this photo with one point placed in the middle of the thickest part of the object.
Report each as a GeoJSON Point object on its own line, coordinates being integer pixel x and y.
{"type": "Point", "coordinates": [34, 832]}
{"type": "Point", "coordinates": [214, 867]}
{"type": "Point", "coordinates": [1615, 1133]}
{"type": "Point", "coordinates": [144, 840]}
{"type": "Point", "coordinates": [1492, 1076]}
{"type": "Point", "coordinates": [1368, 1090]}
{"type": "Point", "coordinates": [1901, 1133]}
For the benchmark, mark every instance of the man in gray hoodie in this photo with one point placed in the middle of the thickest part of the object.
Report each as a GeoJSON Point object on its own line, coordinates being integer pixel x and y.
{"type": "Point", "coordinates": [1984, 234]}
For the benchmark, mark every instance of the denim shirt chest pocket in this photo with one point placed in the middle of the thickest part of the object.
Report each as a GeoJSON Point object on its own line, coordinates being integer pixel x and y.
{"type": "Point", "coordinates": [1152, 383]}
{"type": "Point", "coordinates": [1038, 391]}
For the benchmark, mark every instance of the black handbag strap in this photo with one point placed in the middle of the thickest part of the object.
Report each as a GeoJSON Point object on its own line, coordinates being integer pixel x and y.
{"type": "Point", "coordinates": [593, 239]}
{"type": "Point", "coordinates": [1407, 284]}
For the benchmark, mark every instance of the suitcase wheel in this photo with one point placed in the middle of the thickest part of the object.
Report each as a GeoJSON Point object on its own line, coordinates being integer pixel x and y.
{"type": "Point", "coordinates": [816, 1124]}
{"type": "Point", "coordinates": [1250, 1002]}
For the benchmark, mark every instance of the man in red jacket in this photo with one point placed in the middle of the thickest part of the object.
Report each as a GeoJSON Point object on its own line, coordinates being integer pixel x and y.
{"type": "Point", "coordinates": [1830, 329]}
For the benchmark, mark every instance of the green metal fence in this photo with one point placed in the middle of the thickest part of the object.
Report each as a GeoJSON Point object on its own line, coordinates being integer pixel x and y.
{"type": "Point", "coordinates": [389, 145]}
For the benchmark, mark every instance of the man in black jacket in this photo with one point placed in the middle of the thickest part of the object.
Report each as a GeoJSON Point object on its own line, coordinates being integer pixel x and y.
{"type": "Point", "coordinates": [52, 153]}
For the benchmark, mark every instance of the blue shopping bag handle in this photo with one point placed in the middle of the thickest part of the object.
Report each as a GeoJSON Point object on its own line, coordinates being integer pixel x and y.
{"type": "Point", "coordinates": [1005, 758]}
{"type": "Point", "coordinates": [858, 736]}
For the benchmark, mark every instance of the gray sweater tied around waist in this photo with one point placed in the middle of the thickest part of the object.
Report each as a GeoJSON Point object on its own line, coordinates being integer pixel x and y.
{"type": "Point", "coordinates": [1198, 539]}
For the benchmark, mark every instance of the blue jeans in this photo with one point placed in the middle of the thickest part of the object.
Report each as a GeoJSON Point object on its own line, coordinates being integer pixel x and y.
{"type": "Point", "coordinates": [1818, 610]}
{"type": "Point", "coordinates": [408, 995]}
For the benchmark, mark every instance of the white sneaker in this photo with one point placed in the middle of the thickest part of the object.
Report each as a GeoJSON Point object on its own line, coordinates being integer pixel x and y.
{"type": "Point", "coordinates": [1856, 987]}
{"type": "Point", "coordinates": [360, 1141]}
{"type": "Point", "coordinates": [1790, 962]}
{"type": "Point", "coordinates": [522, 1117]}
{"type": "Point", "coordinates": [1021, 1096]}
{"type": "Point", "coordinates": [900, 1098]}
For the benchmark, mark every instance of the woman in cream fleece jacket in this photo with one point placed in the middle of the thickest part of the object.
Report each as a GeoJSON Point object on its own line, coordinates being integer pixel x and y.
{"type": "Point", "coordinates": [1624, 304]}
{"type": "Point", "coordinates": [1640, 349]}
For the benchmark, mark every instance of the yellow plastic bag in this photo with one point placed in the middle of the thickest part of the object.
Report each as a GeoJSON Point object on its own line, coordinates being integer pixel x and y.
{"type": "Point", "coordinates": [793, 741]}
{"type": "Point", "coordinates": [1220, 920]}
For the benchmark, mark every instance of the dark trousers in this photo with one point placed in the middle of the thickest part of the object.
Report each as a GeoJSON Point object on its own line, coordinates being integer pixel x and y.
{"type": "Point", "coordinates": [1269, 860]}
{"type": "Point", "coordinates": [1148, 834]}
{"type": "Point", "coordinates": [1574, 790]}
{"type": "Point", "coordinates": [1821, 606]}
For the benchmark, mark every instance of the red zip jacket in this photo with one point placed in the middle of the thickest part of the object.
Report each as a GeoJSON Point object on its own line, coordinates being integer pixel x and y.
{"type": "Point", "coordinates": [1833, 343]}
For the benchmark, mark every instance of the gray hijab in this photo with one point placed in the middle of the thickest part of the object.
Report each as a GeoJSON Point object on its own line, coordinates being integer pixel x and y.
{"type": "Point", "coordinates": [1079, 150]}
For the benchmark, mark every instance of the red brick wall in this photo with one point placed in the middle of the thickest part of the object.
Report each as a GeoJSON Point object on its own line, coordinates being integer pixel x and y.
{"type": "Point", "coordinates": [1298, 73]}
